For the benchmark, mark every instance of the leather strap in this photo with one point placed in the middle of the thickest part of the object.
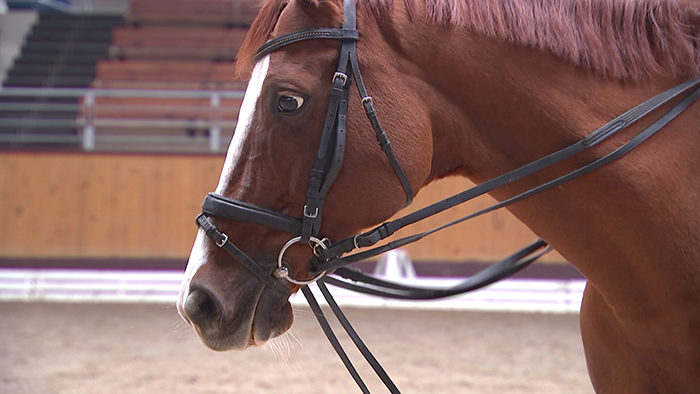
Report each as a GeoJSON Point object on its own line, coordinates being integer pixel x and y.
{"type": "Point", "coordinates": [219, 206]}
{"type": "Point", "coordinates": [382, 138]}
{"type": "Point", "coordinates": [323, 322]}
{"type": "Point", "coordinates": [327, 166]}
{"type": "Point", "coordinates": [364, 350]}
{"type": "Point", "coordinates": [222, 241]}
{"type": "Point", "coordinates": [368, 284]}
{"type": "Point", "coordinates": [323, 174]}
{"type": "Point", "coordinates": [333, 34]}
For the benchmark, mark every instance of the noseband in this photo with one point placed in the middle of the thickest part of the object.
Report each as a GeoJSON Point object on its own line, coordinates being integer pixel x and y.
{"type": "Point", "coordinates": [329, 257]}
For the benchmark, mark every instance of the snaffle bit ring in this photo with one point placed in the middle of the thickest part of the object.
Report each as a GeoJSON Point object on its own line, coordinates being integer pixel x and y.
{"type": "Point", "coordinates": [282, 272]}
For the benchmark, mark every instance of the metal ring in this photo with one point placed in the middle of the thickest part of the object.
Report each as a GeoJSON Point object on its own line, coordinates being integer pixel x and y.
{"type": "Point", "coordinates": [316, 243]}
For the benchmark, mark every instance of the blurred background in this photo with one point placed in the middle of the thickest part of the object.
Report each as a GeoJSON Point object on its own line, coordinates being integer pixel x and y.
{"type": "Point", "coordinates": [115, 116]}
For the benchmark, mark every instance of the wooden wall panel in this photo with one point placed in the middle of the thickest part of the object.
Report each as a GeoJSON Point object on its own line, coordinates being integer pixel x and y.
{"type": "Point", "coordinates": [122, 205]}
{"type": "Point", "coordinates": [100, 205]}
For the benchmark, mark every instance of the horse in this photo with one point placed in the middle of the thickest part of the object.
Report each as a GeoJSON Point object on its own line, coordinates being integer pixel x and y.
{"type": "Point", "coordinates": [473, 89]}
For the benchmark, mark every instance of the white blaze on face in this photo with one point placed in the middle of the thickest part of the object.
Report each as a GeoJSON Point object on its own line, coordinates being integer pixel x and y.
{"type": "Point", "coordinates": [245, 117]}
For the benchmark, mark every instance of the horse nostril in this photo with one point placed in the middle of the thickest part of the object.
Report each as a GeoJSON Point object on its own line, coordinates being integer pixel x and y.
{"type": "Point", "coordinates": [200, 306]}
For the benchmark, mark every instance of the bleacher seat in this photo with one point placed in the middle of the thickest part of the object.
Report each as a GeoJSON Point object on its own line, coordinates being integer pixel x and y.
{"type": "Point", "coordinates": [158, 45]}
{"type": "Point", "coordinates": [209, 13]}
{"type": "Point", "coordinates": [60, 51]}
{"type": "Point", "coordinates": [176, 43]}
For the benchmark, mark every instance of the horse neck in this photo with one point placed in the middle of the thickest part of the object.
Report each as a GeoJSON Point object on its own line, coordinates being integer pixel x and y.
{"type": "Point", "coordinates": [619, 225]}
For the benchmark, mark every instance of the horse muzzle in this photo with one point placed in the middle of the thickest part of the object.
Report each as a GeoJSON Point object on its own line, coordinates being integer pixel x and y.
{"type": "Point", "coordinates": [233, 317]}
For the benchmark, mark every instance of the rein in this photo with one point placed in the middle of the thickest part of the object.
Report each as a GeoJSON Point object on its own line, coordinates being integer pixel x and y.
{"type": "Point", "coordinates": [329, 257]}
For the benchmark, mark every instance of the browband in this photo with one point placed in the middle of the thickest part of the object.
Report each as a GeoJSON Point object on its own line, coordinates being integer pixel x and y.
{"type": "Point", "coordinates": [279, 42]}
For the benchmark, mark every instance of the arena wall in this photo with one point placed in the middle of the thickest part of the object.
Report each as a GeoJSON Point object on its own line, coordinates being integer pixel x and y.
{"type": "Point", "coordinates": [77, 205]}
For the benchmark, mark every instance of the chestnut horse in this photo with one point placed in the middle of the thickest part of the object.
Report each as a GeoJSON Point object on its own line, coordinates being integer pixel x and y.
{"type": "Point", "coordinates": [477, 89]}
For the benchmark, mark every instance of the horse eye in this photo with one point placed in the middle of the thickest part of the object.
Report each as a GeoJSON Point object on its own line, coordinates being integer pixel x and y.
{"type": "Point", "coordinates": [290, 103]}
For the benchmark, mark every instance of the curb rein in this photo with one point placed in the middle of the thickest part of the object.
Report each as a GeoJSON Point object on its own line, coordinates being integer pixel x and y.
{"type": "Point", "coordinates": [328, 257]}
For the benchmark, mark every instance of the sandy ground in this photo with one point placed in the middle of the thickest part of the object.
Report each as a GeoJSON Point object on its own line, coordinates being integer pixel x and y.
{"type": "Point", "coordinates": [106, 348]}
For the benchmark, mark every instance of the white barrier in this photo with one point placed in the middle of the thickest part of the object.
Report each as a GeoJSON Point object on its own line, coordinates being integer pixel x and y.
{"type": "Point", "coordinates": [31, 285]}
{"type": "Point", "coordinates": [89, 285]}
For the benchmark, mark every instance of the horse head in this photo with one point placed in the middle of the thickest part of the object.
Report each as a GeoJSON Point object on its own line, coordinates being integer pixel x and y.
{"type": "Point", "coordinates": [274, 148]}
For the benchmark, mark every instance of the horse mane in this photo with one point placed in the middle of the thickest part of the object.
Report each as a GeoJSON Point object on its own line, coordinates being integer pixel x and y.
{"type": "Point", "coordinates": [625, 39]}
{"type": "Point", "coordinates": [632, 39]}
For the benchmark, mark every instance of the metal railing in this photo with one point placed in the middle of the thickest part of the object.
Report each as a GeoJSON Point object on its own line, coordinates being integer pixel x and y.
{"type": "Point", "coordinates": [107, 126]}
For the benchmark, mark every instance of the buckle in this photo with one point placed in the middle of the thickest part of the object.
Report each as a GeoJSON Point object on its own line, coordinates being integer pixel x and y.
{"type": "Point", "coordinates": [313, 215]}
{"type": "Point", "coordinates": [354, 241]}
{"type": "Point", "coordinates": [222, 242]}
{"type": "Point", "coordinates": [341, 76]}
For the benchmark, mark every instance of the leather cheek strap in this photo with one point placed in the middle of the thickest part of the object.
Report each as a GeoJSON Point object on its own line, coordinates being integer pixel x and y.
{"type": "Point", "coordinates": [221, 240]}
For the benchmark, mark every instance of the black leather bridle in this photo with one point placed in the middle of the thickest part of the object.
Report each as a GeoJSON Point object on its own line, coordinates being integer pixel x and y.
{"type": "Point", "coordinates": [330, 257]}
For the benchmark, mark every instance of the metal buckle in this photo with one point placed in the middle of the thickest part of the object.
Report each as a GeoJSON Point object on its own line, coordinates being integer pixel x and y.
{"type": "Point", "coordinates": [310, 215]}
{"type": "Point", "coordinates": [223, 241]}
{"type": "Point", "coordinates": [367, 99]}
{"type": "Point", "coordinates": [341, 76]}
{"type": "Point", "coordinates": [354, 241]}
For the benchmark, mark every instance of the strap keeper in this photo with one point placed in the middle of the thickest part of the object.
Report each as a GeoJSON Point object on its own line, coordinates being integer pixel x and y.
{"type": "Point", "coordinates": [383, 232]}
{"type": "Point", "coordinates": [390, 228]}
{"type": "Point", "coordinates": [314, 187]}
{"type": "Point", "coordinates": [317, 173]}
{"type": "Point", "coordinates": [383, 140]}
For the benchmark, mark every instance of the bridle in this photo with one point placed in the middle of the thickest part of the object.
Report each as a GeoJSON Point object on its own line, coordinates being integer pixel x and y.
{"type": "Point", "coordinates": [330, 257]}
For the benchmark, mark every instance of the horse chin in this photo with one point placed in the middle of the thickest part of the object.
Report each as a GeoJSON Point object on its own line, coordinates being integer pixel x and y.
{"type": "Point", "coordinates": [273, 317]}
